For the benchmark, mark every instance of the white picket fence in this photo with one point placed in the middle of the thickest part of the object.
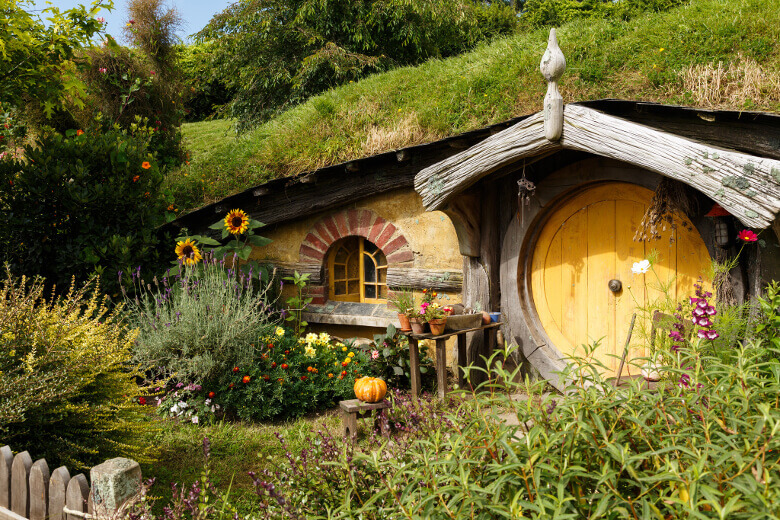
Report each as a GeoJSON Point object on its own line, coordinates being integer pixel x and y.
{"type": "Point", "coordinates": [29, 491]}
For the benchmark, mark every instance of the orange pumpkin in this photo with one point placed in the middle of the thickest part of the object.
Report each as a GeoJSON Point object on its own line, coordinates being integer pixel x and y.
{"type": "Point", "coordinates": [370, 389]}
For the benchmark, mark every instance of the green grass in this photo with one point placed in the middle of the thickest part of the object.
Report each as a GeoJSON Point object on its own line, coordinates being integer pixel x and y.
{"type": "Point", "coordinates": [236, 448]}
{"type": "Point", "coordinates": [647, 59]}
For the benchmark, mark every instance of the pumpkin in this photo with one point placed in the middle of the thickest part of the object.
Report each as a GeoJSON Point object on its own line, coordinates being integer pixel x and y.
{"type": "Point", "coordinates": [370, 389]}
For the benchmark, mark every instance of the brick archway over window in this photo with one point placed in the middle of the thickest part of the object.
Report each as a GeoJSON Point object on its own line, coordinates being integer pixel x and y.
{"type": "Point", "coordinates": [353, 222]}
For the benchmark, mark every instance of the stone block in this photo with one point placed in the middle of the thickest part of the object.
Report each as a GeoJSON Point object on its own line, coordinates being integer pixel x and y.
{"type": "Point", "coordinates": [114, 482]}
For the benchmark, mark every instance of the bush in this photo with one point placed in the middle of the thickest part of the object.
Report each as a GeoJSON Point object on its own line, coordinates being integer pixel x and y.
{"type": "Point", "coordinates": [65, 390]}
{"type": "Point", "coordinates": [389, 355]}
{"type": "Point", "coordinates": [553, 13]}
{"type": "Point", "coordinates": [81, 203]}
{"type": "Point", "coordinates": [198, 324]}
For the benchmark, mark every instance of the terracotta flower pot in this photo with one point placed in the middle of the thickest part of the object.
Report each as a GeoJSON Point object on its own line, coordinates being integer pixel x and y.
{"type": "Point", "coordinates": [404, 319]}
{"type": "Point", "coordinates": [485, 318]}
{"type": "Point", "coordinates": [437, 326]}
{"type": "Point", "coordinates": [418, 326]}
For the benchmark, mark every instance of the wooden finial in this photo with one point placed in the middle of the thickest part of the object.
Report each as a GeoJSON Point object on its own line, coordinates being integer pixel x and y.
{"type": "Point", "coordinates": [552, 66]}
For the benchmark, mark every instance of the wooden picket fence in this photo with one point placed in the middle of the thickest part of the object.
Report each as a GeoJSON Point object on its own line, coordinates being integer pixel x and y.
{"type": "Point", "coordinates": [29, 491]}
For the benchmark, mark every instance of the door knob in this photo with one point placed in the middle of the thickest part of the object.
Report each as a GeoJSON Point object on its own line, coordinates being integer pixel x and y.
{"type": "Point", "coordinates": [614, 285]}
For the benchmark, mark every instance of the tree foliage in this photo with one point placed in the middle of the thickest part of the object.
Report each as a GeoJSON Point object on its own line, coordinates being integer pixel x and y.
{"type": "Point", "coordinates": [34, 54]}
{"type": "Point", "coordinates": [275, 53]}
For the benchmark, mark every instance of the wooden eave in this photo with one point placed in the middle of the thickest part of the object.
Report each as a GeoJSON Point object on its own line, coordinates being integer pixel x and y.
{"type": "Point", "coordinates": [747, 185]}
{"type": "Point", "coordinates": [289, 198]}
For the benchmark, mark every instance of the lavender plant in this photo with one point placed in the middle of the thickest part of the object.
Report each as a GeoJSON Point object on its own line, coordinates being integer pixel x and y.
{"type": "Point", "coordinates": [198, 324]}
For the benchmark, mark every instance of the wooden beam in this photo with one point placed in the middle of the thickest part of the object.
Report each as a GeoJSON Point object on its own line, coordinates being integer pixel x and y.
{"type": "Point", "coordinates": [465, 214]}
{"type": "Point", "coordinates": [438, 280]}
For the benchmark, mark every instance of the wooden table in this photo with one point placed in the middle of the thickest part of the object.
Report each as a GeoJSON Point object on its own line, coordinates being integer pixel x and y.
{"type": "Point", "coordinates": [489, 332]}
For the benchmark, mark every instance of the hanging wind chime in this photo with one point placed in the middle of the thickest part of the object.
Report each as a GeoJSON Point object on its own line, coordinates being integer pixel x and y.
{"type": "Point", "coordinates": [525, 190]}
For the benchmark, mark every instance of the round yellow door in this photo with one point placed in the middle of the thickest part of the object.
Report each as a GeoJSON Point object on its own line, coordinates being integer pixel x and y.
{"type": "Point", "coordinates": [588, 242]}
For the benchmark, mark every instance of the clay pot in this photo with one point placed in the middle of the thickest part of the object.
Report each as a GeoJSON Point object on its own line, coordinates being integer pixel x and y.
{"type": "Point", "coordinates": [485, 318]}
{"type": "Point", "coordinates": [418, 325]}
{"type": "Point", "coordinates": [437, 326]}
{"type": "Point", "coordinates": [404, 319]}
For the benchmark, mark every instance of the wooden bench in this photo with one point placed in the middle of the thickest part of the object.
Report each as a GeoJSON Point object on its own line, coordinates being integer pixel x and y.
{"type": "Point", "coordinates": [354, 408]}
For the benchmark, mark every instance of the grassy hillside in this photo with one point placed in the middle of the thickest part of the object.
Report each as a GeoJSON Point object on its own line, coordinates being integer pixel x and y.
{"type": "Point", "coordinates": [710, 53]}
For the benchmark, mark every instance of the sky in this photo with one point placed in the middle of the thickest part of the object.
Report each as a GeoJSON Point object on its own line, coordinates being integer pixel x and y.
{"type": "Point", "coordinates": [196, 13]}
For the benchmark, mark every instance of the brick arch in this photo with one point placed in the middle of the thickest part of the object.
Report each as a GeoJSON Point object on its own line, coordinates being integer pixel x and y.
{"type": "Point", "coordinates": [355, 222]}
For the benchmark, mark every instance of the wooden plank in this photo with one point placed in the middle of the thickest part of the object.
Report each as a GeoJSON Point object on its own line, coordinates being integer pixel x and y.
{"type": "Point", "coordinates": [574, 272]}
{"type": "Point", "coordinates": [76, 496]}
{"type": "Point", "coordinates": [744, 184]}
{"type": "Point", "coordinates": [628, 215]}
{"type": "Point", "coordinates": [553, 291]}
{"type": "Point", "coordinates": [6, 461]}
{"type": "Point", "coordinates": [461, 360]}
{"type": "Point", "coordinates": [428, 335]}
{"type": "Point", "coordinates": [58, 487]}
{"type": "Point", "coordinates": [20, 484]}
{"type": "Point", "coordinates": [601, 269]}
{"type": "Point", "coordinates": [490, 244]}
{"type": "Point", "coordinates": [7, 514]}
{"type": "Point", "coordinates": [414, 366]}
{"type": "Point", "coordinates": [693, 261]}
{"type": "Point", "coordinates": [436, 279]}
{"type": "Point", "coordinates": [441, 368]}
{"type": "Point", "coordinates": [288, 269]}
{"type": "Point", "coordinates": [39, 490]}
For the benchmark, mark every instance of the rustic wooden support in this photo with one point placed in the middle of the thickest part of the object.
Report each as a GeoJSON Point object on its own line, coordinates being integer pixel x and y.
{"type": "Point", "coordinates": [552, 66]}
{"type": "Point", "coordinates": [76, 496]}
{"type": "Point", "coordinates": [289, 268]}
{"type": "Point", "coordinates": [354, 408]}
{"type": "Point", "coordinates": [465, 214]}
{"type": "Point", "coordinates": [20, 484]}
{"type": "Point", "coordinates": [6, 461]}
{"type": "Point", "coordinates": [58, 488]}
{"type": "Point", "coordinates": [436, 279]}
{"type": "Point", "coordinates": [441, 367]}
{"type": "Point", "coordinates": [747, 186]}
{"type": "Point", "coordinates": [39, 490]}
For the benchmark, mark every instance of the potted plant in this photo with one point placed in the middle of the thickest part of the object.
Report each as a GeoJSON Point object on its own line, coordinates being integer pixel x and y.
{"type": "Point", "coordinates": [436, 316]}
{"type": "Point", "coordinates": [416, 321]}
{"type": "Point", "coordinates": [403, 301]}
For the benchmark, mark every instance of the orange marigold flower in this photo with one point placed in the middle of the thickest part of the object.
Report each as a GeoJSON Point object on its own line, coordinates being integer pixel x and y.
{"type": "Point", "coordinates": [135, 179]}
{"type": "Point", "coordinates": [246, 379]}
{"type": "Point", "coordinates": [231, 385]}
{"type": "Point", "coordinates": [330, 375]}
{"type": "Point", "coordinates": [343, 372]}
{"type": "Point", "coordinates": [235, 369]}
{"type": "Point", "coordinates": [284, 366]}
{"type": "Point", "coordinates": [79, 132]}
{"type": "Point", "coordinates": [303, 378]}
{"type": "Point", "coordinates": [211, 395]}
{"type": "Point", "coordinates": [146, 165]}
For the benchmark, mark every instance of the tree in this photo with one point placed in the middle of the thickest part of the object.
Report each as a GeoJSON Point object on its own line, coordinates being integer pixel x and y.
{"type": "Point", "coordinates": [275, 53]}
{"type": "Point", "coordinates": [34, 55]}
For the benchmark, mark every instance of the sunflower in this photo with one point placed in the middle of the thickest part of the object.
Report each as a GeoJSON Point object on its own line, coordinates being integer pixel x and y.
{"type": "Point", "coordinates": [188, 252]}
{"type": "Point", "coordinates": [237, 222]}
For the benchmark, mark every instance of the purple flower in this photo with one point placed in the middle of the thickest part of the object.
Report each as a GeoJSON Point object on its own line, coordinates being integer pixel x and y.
{"type": "Point", "coordinates": [684, 380]}
{"type": "Point", "coordinates": [698, 311]}
{"type": "Point", "coordinates": [711, 334]}
{"type": "Point", "coordinates": [702, 303]}
{"type": "Point", "coordinates": [675, 335]}
{"type": "Point", "coordinates": [676, 348]}
{"type": "Point", "coordinates": [710, 310]}
{"type": "Point", "coordinates": [702, 333]}
{"type": "Point", "coordinates": [704, 322]}
{"type": "Point", "coordinates": [694, 301]}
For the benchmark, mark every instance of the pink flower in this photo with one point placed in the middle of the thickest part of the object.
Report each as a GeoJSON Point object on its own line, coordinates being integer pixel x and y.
{"type": "Point", "coordinates": [694, 301]}
{"type": "Point", "coordinates": [102, 70]}
{"type": "Point", "coordinates": [374, 354]}
{"type": "Point", "coordinates": [747, 236]}
{"type": "Point", "coordinates": [711, 334]}
{"type": "Point", "coordinates": [101, 19]}
{"type": "Point", "coordinates": [675, 335]}
{"type": "Point", "coordinates": [710, 310]}
{"type": "Point", "coordinates": [704, 322]}
{"type": "Point", "coordinates": [152, 72]}
{"type": "Point", "coordinates": [698, 311]}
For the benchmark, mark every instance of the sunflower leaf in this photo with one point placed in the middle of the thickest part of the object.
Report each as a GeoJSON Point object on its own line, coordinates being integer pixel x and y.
{"type": "Point", "coordinates": [259, 241]}
{"type": "Point", "coordinates": [244, 252]}
{"type": "Point", "coordinates": [224, 233]}
{"type": "Point", "coordinates": [254, 224]}
{"type": "Point", "coordinates": [206, 241]}
{"type": "Point", "coordinates": [219, 224]}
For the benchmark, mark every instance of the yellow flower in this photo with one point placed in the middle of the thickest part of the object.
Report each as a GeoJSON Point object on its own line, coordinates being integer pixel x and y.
{"type": "Point", "coordinates": [279, 331]}
{"type": "Point", "coordinates": [661, 49]}
{"type": "Point", "coordinates": [343, 349]}
{"type": "Point", "coordinates": [309, 352]}
{"type": "Point", "coordinates": [188, 252]}
{"type": "Point", "coordinates": [351, 354]}
{"type": "Point", "coordinates": [347, 360]}
{"type": "Point", "coordinates": [237, 222]}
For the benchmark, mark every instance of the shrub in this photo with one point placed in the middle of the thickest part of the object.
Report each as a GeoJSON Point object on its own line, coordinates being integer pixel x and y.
{"type": "Point", "coordinates": [291, 376]}
{"type": "Point", "coordinates": [65, 390]}
{"type": "Point", "coordinates": [389, 354]}
{"type": "Point", "coordinates": [538, 13]}
{"type": "Point", "coordinates": [81, 203]}
{"type": "Point", "coordinates": [198, 324]}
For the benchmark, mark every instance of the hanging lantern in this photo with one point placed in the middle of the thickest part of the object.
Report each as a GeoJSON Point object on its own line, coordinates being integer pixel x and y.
{"type": "Point", "coordinates": [722, 235]}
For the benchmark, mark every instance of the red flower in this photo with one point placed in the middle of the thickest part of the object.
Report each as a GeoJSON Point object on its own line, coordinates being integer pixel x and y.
{"type": "Point", "coordinates": [747, 236]}
{"type": "Point", "coordinates": [343, 373]}
{"type": "Point", "coordinates": [231, 385]}
{"type": "Point", "coordinates": [266, 378]}
{"type": "Point", "coordinates": [286, 351]}
{"type": "Point", "coordinates": [344, 363]}
{"type": "Point", "coordinates": [211, 395]}
{"type": "Point", "coordinates": [235, 369]}
{"type": "Point", "coordinates": [303, 378]}
{"type": "Point", "coordinates": [270, 345]}
{"type": "Point", "coordinates": [273, 365]}
{"type": "Point", "coordinates": [141, 400]}
{"type": "Point", "coordinates": [246, 379]}
{"type": "Point", "coordinates": [284, 366]}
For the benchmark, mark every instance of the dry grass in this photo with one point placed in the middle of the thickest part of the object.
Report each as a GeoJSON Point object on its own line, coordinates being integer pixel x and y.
{"type": "Point", "coordinates": [381, 138]}
{"type": "Point", "coordinates": [742, 83]}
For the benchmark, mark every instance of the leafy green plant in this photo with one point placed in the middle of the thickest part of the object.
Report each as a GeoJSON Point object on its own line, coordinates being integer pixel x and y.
{"type": "Point", "coordinates": [389, 354]}
{"type": "Point", "coordinates": [66, 384]}
{"type": "Point", "coordinates": [81, 203]}
{"type": "Point", "coordinates": [402, 299]}
{"type": "Point", "coordinates": [297, 304]}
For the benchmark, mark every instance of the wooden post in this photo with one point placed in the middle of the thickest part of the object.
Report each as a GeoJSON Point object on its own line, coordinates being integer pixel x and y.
{"type": "Point", "coordinates": [552, 66]}
{"type": "Point", "coordinates": [76, 496]}
{"type": "Point", "coordinates": [441, 367]}
{"type": "Point", "coordinates": [414, 366]}
{"type": "Point", "coordinates": [58, 487]}
{"type": "Point", "coordinates": [462, 361]}
{"type": "Point", "coordinates": [39, 490]}
{"type": "Point", "coordinates": [6, 461]}
{"type": "Point", "coordinates": [20, 484]}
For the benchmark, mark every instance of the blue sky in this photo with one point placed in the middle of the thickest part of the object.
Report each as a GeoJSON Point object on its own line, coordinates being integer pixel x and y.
{"type": "Point", "coordinates": [196, 13]}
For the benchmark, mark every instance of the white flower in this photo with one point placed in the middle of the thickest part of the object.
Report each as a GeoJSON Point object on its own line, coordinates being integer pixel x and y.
{"type": "Point", "coordinates": [309, 352]}
{"type": "Point", "coordinates": [182, 405]}
{"type": "Point", "coordinates": [207, 402]}
{"type": "Point", "coordinates": [175, 410]}
{"type": "Point", "coordinates": [213, 409]}
{"type": "Point", "coordinates": [279, 331]}
{"type": "Point", "coordinates": [641, 267]}
{"type": "Point", "coordinates": [311, 338]}
{"type": "Point", "coordinates": [194, 419]}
